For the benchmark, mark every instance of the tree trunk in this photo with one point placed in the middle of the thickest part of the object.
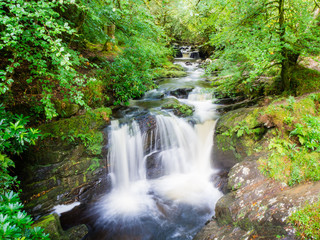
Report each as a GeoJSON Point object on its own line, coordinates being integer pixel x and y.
{"type": "Point", "coordinates": [284, 53]}
{"type": "Point", "coordinates": [110, 31]}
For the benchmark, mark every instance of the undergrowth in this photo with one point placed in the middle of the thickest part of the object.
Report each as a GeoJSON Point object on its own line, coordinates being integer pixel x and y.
{"type": "Point", "coordinates": [307, 221]}
{"type": "Point", "coordinates": [295, 148]}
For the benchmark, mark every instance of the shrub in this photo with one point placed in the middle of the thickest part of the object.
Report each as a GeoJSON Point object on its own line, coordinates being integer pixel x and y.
{"type": "Point", "coordinates": [307, 221]}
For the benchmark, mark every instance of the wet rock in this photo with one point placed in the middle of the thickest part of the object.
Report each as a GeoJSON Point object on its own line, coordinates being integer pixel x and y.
{"type": "Point", "coordinates": [181, 92]}
{"type": "Point", "coordinates": [228, 101]}
{"type": "Point", "coordinates": [236, 105]}
{"type": "Point", "coordinates": [154, 166]}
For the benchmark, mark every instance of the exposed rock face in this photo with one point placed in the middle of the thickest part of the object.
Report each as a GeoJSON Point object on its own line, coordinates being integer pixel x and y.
{"type": "Point", "coordinates": [61, 170]}
{"type": "Point", "coordinates": [256, 206]}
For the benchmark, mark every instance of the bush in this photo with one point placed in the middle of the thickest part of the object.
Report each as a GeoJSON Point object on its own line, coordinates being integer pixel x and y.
{"type": "Point", "coordinates": [14, 138]}
{"type": "Point", "coordinates": [14, 222]}
{"type": "Point", "coordinates": [307, 221]}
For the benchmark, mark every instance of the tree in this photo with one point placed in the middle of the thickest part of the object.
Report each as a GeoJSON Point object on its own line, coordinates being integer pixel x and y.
{"type": "Point", "coordinates": [255, 36]}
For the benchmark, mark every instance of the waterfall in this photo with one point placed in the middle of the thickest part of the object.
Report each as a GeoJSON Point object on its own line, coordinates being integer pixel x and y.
{"type": "Point", "coordinates": [173, 202]}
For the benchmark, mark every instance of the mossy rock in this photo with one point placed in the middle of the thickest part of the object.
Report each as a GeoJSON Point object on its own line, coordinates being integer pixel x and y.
{"type": "Point", "coordinates": [238, 132]}
{"type": "Point", "coordinates": [181, 110]}
{"type": "Point", "coordinates": [305, 80]}
{"type": "Point", "coordinates": [51, 225]}
{"type": "Point", "coordinates": [66, 109]}
{"type": "Point", "coordinates": [163, 73]}
{"type": "Point", "coordinates": [75, 126]}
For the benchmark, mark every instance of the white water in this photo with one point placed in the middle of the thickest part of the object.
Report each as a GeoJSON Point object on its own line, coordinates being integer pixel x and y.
{"type": "Point", "coordinates": [176, 204]}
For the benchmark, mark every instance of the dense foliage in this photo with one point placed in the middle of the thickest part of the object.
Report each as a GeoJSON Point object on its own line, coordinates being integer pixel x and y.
{"type": "Point", "coordinates": [257, 39]}
{"type": "Point", "coordinates": [14, 138]}
{"type": "Point", "coordinates": [307, 221]}
{"type": "Point", "coordinates": [35, 60]}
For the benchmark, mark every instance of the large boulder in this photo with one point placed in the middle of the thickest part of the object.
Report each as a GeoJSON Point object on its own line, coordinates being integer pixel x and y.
{"type": "Point", "coordinates": [257, 206]}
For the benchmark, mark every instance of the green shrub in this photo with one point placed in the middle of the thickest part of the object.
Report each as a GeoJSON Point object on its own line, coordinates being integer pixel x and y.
{"type": "Point", "coordinates": [14, 136]}
{"type": "Point", "coordinates": [307, 221]}
{"type": "Point", "coordinates": [295, 151]}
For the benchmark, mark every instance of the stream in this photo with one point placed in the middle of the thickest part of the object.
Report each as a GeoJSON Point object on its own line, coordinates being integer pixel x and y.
{"type": "Point", "coordinates": [160, 168]}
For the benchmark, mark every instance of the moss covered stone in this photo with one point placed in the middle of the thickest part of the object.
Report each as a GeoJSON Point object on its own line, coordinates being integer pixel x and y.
{"type": "Point", "coordinates": [65, 162]}
{"type": "Point", "coordinates": [170, 70]}
{"type": "Point", "coordinates": [51, 225]}
{"type": "Point", "coordinates": [181, 110]}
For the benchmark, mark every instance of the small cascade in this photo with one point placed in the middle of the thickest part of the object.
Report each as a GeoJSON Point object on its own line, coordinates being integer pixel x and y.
{"type": "Point", "coordinates": [161, 175]}
{"type": "Point", "coordinates": [126, 154]}
{"type": "Point", "coordinates": [202, 101]}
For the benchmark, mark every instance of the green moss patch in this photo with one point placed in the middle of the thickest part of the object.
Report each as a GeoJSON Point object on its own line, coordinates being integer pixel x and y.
{"type": "Point", "coordinates": [181, 110]}
{"type": "Point", "coordinates": [84, 128]}
{"type": "Point", "coordinates": [170, 70]}
{"type": "Point", "coordinates": [305, 80]}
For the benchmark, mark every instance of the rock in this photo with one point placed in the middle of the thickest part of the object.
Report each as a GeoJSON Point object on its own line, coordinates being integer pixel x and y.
{"type": "Point", "coordinates": [66, 109]}
{"type": "Point", "coordinates": [236, 105]}
{"type": "Point", "coordinates": [232, 145]}
{"type": "Point", "coordinates": [212, 230]}
{"type": "Point", "coordinates": [51, 225]}
{"type": "Point", "coordinates": [257, 207]}
{"type": "Point", "coordinates": [154, 166]}
{"type": "Point", "coordinates": [181, 92]}
{"type": "Point", "coordinates": [194, 55]}
{"type": "Point", "coordinates": [61, 170]}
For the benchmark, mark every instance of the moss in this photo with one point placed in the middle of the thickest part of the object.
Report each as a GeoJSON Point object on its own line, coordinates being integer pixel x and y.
{"type": "Point", "coordinates": [182, 110]}
{"type": "Point", "coordinates": [239, 132]}
{"type": "Point", "coordinates": [51, 225]}
{"type": "Point", "coordinates": [305, 80]}
{"type": "Point", "coordinates": [293, 151]}
{"type": "Point", "coordinates": [84, 128]}
{"type": "Point", "coordinates": [163, 73]}
{"type": "Point", "coordinates": [170, 70]}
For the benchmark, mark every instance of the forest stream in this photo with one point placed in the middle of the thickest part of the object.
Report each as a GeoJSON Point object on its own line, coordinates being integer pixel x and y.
{"type": "Point", "coordinates": [162, 178]}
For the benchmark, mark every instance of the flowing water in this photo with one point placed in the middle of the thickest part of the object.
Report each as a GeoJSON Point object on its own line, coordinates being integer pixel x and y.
{"type": "Point", "coordinates": [161, 178]}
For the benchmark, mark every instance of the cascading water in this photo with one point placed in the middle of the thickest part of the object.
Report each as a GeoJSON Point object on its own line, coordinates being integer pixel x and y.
{"type": "Point", "coordinates": [181, 198]}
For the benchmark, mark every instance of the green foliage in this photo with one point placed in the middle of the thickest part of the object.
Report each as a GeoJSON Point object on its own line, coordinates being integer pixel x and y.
{"type": "Point", "coordinates": [307, 221]}
{"type": "Point", "coordinates": [14, 222]}
{"type": "Point", "coordinates": [14, 136]}
{"type": "Point", "coordinates": [258, 39]}
{"type": "Point", "coordinates": [31, 38]}
{"type": "Point", "coordinates": [308, 132]}
{"type": "Point", "coordinates": [294, 156]}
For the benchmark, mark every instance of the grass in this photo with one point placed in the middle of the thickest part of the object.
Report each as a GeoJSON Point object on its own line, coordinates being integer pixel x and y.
{"type": "Point", "coordinates": [307, 221]}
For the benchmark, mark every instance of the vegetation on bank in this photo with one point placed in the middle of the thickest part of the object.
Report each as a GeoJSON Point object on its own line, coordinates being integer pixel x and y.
{"type": "Point", "coordinates": [307, 221]}
{"type": "Point", "coordinates": [14, 138]}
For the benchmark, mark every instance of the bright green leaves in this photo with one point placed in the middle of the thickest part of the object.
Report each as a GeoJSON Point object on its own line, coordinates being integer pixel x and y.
{"type": "Point", "coordinates": [31, 35]}
{"type": "Point", "coordinates": [250, 45]}
{"type": "Point", "coordinates": [14, 136]}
